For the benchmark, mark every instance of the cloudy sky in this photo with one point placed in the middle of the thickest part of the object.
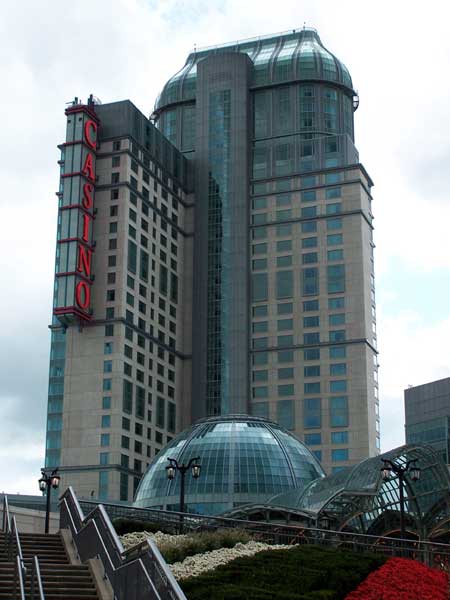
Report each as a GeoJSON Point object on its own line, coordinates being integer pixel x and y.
{"type": "Point", "coordinates": [399, 56]}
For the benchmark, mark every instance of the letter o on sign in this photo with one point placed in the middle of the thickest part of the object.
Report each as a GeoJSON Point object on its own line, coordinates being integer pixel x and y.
{"type": "Point", "coordinates": [83, 295]}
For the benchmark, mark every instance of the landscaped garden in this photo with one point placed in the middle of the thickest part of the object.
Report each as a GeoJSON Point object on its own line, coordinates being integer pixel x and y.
{"type": "Point", "coordinates": [229, 564]}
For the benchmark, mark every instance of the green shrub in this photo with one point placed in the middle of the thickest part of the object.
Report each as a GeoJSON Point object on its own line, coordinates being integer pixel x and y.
{"type": "Point", "coordinates": [300, 573]}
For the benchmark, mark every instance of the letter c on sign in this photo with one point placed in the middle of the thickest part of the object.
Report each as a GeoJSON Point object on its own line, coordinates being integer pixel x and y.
{"type": "Point", "coordinates": [90, 127]}
{"type": "Point", "coordinates": [83, 295]}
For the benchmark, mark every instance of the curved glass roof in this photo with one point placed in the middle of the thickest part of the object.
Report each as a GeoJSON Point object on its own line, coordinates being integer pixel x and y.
{"type": "Point", "coordinates": [358, 499]}
{"type": "Point", "coordinates": [292, 56]}
{"type": "Point", "coordinates": [243, 459]}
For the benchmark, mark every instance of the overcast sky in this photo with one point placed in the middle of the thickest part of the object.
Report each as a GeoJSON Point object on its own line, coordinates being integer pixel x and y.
{"type": "Point", "coordinates": [398, 54]}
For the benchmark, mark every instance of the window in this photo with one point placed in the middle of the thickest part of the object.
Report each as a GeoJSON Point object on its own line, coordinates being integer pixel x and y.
{"type": "Point", "coordinates": [285, 413]}
{"type": "Point", "coordinates": [125, 424]}
{"type": "Point", "coordinates": [310, 305]}
{"type": "Point", "coordinates": [284, 230]}
{"type": "Point", "coordinates": [310, 282]}
{"type": "Point", "coordinates": [259, 263]}
{"type": "Point", "coordinates": [335, 255]}
{"type": "Point", "coordinates": [312, 413]}
{"type": "Point", "coordinates": [106, 402]}
{"type": "Point", "coordinates": [260, 311]}
{"type": "Point", "coordinates": [339, 411]}
{"type": "Point", "coordinates": [260, 358]}
{"type": "Point", "coordinates": [310, 242]}
{"type": "Point", "coordinates": [107, 385]}
{"type": "Point", "coordinates": [259, 287]}
{"type": "Point", "coordinates": [338, 319]}
{"type": "Point", "coordinates": [261, 375]}
{"type": "Point", "coordinates": [108, 348]}
{"type": "Point", "coordinates": [286, 390]}
{"type": "Point", "coordinates": [104, 458]}
{"type": "Point", "coordinates": [259, 219]}
{"type": "Point", "coordinates": [284, 324]}
{"type": "Point", "coordinates": [334, 239]}
{"type": "Point", "coordinates": [334, 224]}
{"type": "Point", "coordinates": [312, 388]}
{"type": "Point", "coordinates": [285, 340]}
{"type": "Point", "coordinates": [107, 366]}
{"type": "Point", "coordinates": [311, 321]}
{"type": "Point", "coordinates": [338, 369]}
{"type": "Point", "coordinates": [339, 437]}
{"type": "Point", "coordinates": [309, 211]}
{"type": "Point", "coordinates": [338, 455]}
{"type": "Point", "coordinates": [333, 177]}
{"type": "Point", "coordinates": [336, 278]}
{"type": "Point", "coordinates": [106, 421]}
{"type": "Point", "coordinates": [127, 396]}
{"type": "Point", "coordinates": [109, 330]}
{"type": "Point", "coordinates": [286, 373]}
{"type": "Point", "coordinates": [337, 336]}
{"type": "Point", "coordinates": [260, 249]}
{"type": "Point", "coordinates": [112, 260]}
{"type": "Point", "coordinates": [339, 385]}
{"type": "Point", "coordinates": [338, 351]}
{"type": "Point", "coordinates": [313, 439]}
{"type": "Point", "coordinates": [308, 196]}
{"type": "Point", "coordinates": [336, 303]}
{"type": "Point", "coordinates": [309, 227]}
{"type": "Point", "coordinates": [284, 261]}
{"type": "Point", "coordinates": [104, 439]}
{"type": "Point", "coordinates": [110, 295]}
{"type": "Point", "coordinates": [259, 203]}
{"type": "Point", "coordinates": [311, 338]}
{"type": "Point", "coordinates": [334, 209]}
{"type": "Point", "coordinates": [259, 233]}
{"type": "Point", "coordinates": [312, 371]}
{"type": "Point", "coordinates": [285, 356]}
{"type": "Point", "coordinates": [113, 227]}
{"type": "Point", "coordinates": [285, 308]}
{"type": "Point", "coordinates": [113, 210]}
{"type": "Point", "coordinates": [284, 246]}
{"type": "Point", "coordinates": [260, 342]}
{"type": "Point", "coordinates": [260, 392]}
{"type": "Point", "coordinates": [284, 283]}
{"type": "Point", "coordinates": [160, 413]}
{"type": "Point", "coordinates": [260, 327]}
{"type": "Point", "coordinates": [311, 354]}
{"type": "Point", "coordinates": [260, 409]}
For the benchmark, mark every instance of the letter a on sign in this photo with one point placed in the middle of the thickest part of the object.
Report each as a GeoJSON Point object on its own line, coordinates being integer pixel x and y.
{"type": "Point", "coordinates": [88, 169]}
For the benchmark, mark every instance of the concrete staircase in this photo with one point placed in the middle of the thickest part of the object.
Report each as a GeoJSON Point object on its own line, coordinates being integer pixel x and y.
{"type": "Point", "coordinates": [60, 579]}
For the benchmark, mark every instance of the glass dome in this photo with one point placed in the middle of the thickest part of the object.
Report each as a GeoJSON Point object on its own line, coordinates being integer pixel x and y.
{"type": "Point", "coordinates": [243, 459]}
{"type": "Point", "coordinates": [297, 55]}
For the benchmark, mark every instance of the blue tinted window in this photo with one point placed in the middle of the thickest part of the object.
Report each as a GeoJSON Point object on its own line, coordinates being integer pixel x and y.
{"type": "Point", "coordinates": [333, 177]}
{"type": "Point", "coordinates": [334, 224]}
{"type": "Point", "coordinates": [338, 369]}
{"type": "Point", "coordinates": [104, 439]}
{"type": "Point", "coordinates": [260, 409]}
{"type": "Point", "coordinates": [312, 413]}
{"type": "Point", "coordinates": [309, 196]}
{"type": "Point", "coordinates": [284, 284]}
{"type": "Point", "coordinates": [311, 338]}
{"type": "Point", "coordinates": [310, 305]}
{"type": "Point", "coordinates": [284, 246]}
{"type": "Point", "coordinates": [312, 371]}
{"type": "Point", "coordinates": [334, 239]}
{"type": "Point", "coordinates": [309, 227]}
{"type": "Point", "coordinates": [286, 390]}
{"type": "Point", "coordinates": [285, 413]}
{"type": "Point", "coordinates": [259, 287]}
{"type": "Point", "coordinates": [311, 354]}
{"type": "Point", "coordinates": [338, 319]}
{"type": "Point", "coordinates": [260, 392]}
{"type": "Point", "coordinates": [334, 209]}
{"type": "Point", "coordinates": [286, 373]}
{"type": "Point", "coordinates": [285, 324]}
{"type": "Point", "coordinates": [317, 454]}
{"type": "Point", "coordinates": [310, 242]}
{"type": "Point", "coordinates": [334, 303]}
{"type": "Point", "coordinates": [336, 278]}
{"type": "Point", "coordinates": [308, 181]}
{"type": "Point", "coordinates": [339, 411]}
{"type": "Point", "coordinates": [285, 356]}
{"type": "Point", "coordinates": [106, 402]}
{"type": "Point", "coordinates": [312, 388]}
{"type": "Point", "coordinates": [285, 340]}
{"type": "Point", "coordinates": [339, 437]}
{"type": "Point", "coordinates": [337, 336]}
{"type": "Point", "coordinates": [260, 358]}
{"type": "Point", "coordinates": [310, 281]}
{"type": "Point", "coordinates": [309, 257]}
{"type": "Point", "coordinates": [313, 439]}
{"type": "Point", "coordinates": [339, 385]}
{"type": "Point", "coordinates": [340, 454]}
{"type": "Point", "coordinates": [107, 385]}
{"type": "Point", "coordinates": [338, 351]}
{"type": "Point", "coordinates": [261, 375]}
{"type": "Point", "coordinates": [260, 342]}
{"type": "Point", "coordinates": [311, 321]}
{"type": "Point", "coordinates": [309, 211]}
{"type": "Point", "coordinates": [106, 421]}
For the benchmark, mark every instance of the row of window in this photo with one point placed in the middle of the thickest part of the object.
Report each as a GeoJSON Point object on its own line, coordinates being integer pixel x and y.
{"type": "Point", "coordinates": [308, 322]}
{"type": "Point", "coordinates": [312, 412]}
{"type": "Point", "coordinates": [337, 386]}
{"type": "Point", "coordinates": [335, 369]}
{"type": "Point", "coordinates": [287, 356]}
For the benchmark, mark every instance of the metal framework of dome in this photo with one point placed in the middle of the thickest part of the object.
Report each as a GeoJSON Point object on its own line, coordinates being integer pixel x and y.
{"type": "Point", "coordinates": [243, 459]}
{"type": "Point", "coordinates": [357, 499]}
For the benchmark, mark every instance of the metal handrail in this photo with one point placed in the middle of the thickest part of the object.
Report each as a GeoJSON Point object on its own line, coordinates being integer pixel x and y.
{"type": "Point", "coordinates": [20, 573]}
{"type": "Point", "coordinates": [36, 578]}
{"type": "Point", "coordinates": [6, 520]}
{"type": "Point", "coordinates": [95, 536]}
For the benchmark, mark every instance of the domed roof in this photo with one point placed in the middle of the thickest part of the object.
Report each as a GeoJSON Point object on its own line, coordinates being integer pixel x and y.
{"type": "Point", "coordinates": [243, 459]}
{"type": "Point", "coordinates": [293, 56]}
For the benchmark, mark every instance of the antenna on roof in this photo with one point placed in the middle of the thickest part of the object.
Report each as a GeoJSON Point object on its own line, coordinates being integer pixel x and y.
{"type": "Point", "coordinates": [195, 47]}
{"type": "Point", "coordinates": [304, 24]}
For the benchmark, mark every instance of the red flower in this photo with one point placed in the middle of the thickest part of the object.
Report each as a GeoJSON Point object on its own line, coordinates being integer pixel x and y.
{"type": "Point", "coordinates": [403, 579]}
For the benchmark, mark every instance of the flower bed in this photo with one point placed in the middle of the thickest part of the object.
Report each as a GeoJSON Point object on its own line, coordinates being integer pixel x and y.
{"type": "Point", "coordinates": [403, 579]}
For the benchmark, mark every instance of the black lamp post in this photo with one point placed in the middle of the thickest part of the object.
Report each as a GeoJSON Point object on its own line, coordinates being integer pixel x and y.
{"type": "Point", "coordinates": [172, 468]}
{"type": "Point", "coordinates": [46, 483]}
{"type": "Point", "coordinates": [400, 471]}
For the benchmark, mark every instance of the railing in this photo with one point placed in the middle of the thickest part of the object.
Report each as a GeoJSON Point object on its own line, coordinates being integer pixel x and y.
{"type": "Point", "coordinates": [36, 580]}
{"type": "Point", "coordinates": [140, 574]}
{"type": "Point", "coordinates": [431, 553]}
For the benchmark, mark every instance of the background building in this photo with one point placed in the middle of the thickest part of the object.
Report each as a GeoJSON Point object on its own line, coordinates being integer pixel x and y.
{"type": "Point", "coordinates": [253, 295]}
{"type": "Point", "coordinates": [427, 415]}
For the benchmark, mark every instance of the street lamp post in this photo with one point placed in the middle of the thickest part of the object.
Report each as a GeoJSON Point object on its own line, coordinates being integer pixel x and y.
{"type": "Point", "coordinates": [172, 468]}
{"type": "Point", "coordinates": [46, 483]}
{"type": "Point", "coordinates": [400, 471]}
